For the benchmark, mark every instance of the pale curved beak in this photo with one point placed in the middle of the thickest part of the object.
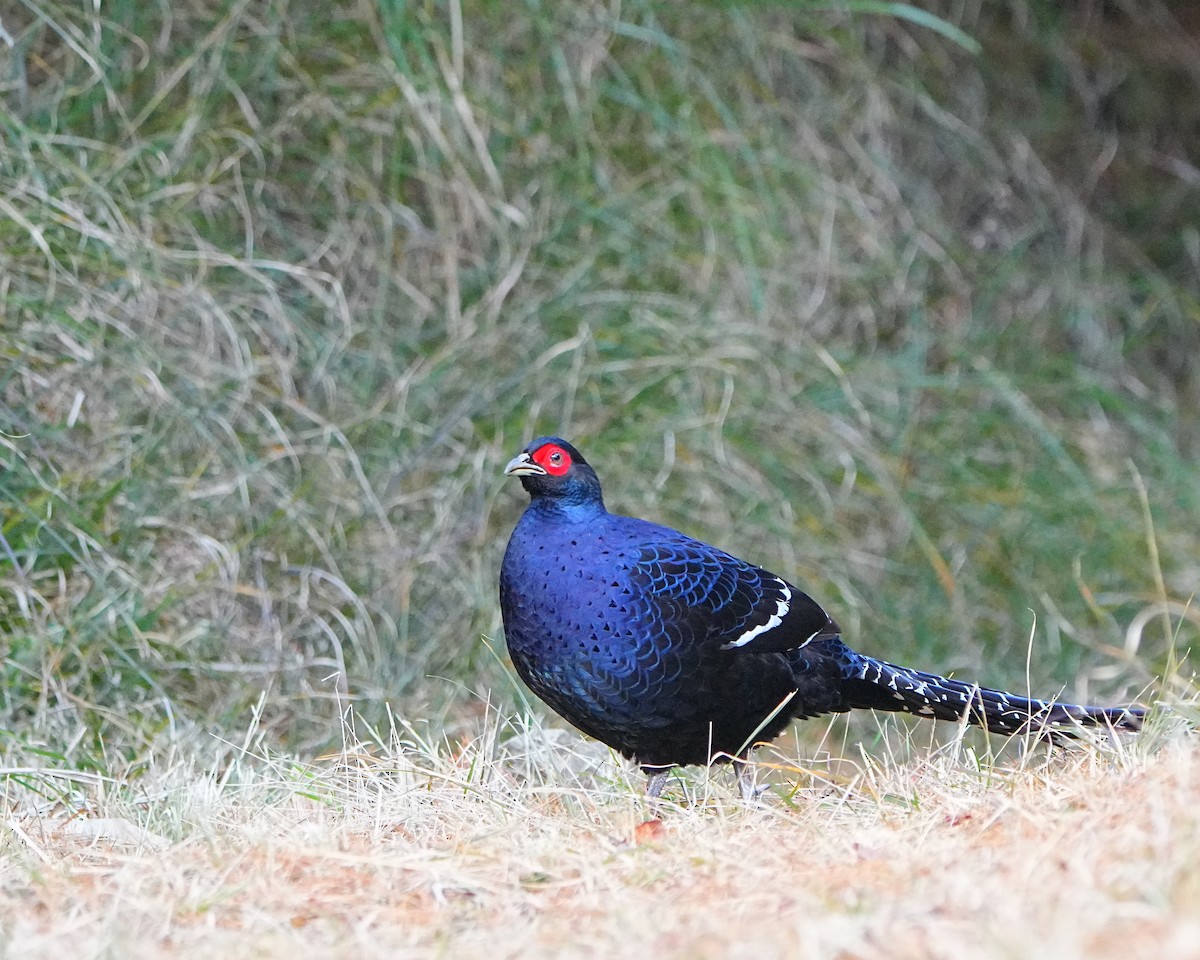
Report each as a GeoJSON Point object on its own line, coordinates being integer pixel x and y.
{"type": "Point", "coordinates": [522, 466]}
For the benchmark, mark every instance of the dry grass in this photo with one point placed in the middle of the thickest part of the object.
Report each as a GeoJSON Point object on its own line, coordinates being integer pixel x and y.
{"type": "Point", "coordinates": [418, 850]}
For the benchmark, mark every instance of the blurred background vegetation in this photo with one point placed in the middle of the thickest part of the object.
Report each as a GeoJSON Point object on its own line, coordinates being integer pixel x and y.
{"type": "Point", "coordinates": [904, 304]}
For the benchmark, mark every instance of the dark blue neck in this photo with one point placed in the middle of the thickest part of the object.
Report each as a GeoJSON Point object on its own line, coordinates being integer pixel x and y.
{"type": "Point", "coordinates": [576, 510]}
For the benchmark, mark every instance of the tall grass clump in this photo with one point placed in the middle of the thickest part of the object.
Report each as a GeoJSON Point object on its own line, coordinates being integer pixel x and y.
{"type": "Point", "coordinates": [283, 286]}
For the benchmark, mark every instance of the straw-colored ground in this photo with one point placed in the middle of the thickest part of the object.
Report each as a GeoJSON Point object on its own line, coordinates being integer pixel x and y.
{"type": "Point", "coordinates": [1089, 854]}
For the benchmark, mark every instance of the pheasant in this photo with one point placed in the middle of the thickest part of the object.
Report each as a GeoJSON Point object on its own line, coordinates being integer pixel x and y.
{"type": "Point", "coordinates": [674, 652]}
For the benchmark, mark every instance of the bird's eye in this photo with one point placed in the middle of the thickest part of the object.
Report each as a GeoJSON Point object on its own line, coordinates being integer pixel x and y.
{"type": "Point", "coordinates": [555, 460]}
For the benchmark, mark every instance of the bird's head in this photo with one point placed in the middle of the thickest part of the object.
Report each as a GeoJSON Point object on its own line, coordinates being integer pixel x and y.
{"type": "Point", "coordinates": [553, 471]}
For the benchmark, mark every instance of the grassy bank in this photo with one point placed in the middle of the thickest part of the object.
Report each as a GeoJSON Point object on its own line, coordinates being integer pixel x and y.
{"type": "Point", "coordinates": [282, 291]}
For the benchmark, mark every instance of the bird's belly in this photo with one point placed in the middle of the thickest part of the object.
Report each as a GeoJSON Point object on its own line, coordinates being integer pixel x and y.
{"type": "Point", "coordinates": [577, 657]}
{"type": "Point", "coordinates": [639, 689]}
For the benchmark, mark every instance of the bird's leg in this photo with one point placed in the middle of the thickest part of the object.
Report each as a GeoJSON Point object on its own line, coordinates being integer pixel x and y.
{"type": "Point", "coordinates": [656, 779]}
{"type": "Point", "coordinates": [750, 790]}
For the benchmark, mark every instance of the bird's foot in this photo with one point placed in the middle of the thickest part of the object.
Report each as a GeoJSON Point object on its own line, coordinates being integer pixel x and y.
{"type": "Point", "coordinates": [747, 782]}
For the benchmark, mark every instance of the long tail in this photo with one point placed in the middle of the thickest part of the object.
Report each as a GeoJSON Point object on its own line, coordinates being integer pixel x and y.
{"type": "Point", "coordinates": [878, 685]}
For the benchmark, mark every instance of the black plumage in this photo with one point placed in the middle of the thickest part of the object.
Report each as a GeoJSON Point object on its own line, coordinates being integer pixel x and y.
{"type": "Point", "coordinates": [674, 652]}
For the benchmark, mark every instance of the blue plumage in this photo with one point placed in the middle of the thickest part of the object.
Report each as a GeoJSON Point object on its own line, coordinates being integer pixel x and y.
{"type": "Point", "coordinates": [674, 652]}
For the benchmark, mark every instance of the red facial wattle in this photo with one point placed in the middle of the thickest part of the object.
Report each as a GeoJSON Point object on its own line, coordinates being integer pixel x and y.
{"type": "Point", "coordinates": [553, 459]}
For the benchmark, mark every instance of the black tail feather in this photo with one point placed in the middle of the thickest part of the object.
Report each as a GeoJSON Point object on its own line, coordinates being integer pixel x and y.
{"type": "Point", "coordinates": [878, 685]}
